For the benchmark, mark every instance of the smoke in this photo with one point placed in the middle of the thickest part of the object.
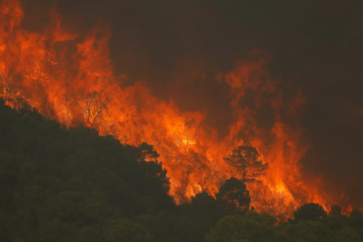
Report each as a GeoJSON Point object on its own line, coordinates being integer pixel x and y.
{"type": "Point", "coordinates": [180, 47]}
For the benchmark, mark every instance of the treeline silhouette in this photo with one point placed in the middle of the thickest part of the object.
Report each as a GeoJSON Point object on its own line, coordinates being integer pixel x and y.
{"type": "Point", "coordinates": [59, 185]}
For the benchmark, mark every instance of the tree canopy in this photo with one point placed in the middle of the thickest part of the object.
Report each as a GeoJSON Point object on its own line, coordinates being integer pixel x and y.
{"type": "Point", "coordinates": [233, 197]}
{"type": "Point", "coordinates": [310, 211]}
{"type": "Point", "coordinates": [248, 162]}
{"type": "Point", "coordinates": [61, 185]}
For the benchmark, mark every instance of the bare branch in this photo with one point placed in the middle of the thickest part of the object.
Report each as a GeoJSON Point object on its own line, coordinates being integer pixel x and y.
{"type": "Point", "coordinates": [178, 140]}
{"type": "Point", "coordinates": [92, 104]}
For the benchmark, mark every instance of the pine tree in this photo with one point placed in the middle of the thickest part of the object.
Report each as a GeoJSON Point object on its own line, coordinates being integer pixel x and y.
{"type": "Point", "coordinates": [248, 163]}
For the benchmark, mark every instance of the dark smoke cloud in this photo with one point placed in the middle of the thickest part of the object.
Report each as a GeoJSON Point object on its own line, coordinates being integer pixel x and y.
{"type": "Point", "coordinates": [179, 46]}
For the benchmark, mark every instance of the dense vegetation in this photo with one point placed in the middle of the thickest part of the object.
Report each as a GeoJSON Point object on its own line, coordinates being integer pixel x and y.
{"type": "Point", "coordinates": [72, 185]}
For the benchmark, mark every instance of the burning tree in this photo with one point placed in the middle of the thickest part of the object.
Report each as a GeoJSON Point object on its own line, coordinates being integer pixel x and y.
{"type": "Point", "coordinates": [92, 104]}
{"type": "Point", "coordinates": [7, 87]}
{"type": "Point", "coordinates": [67, 103]}
{"type": "Point", "coordinates": [186, 138]}
{"type": "Point", "coordinates": [247, 162]}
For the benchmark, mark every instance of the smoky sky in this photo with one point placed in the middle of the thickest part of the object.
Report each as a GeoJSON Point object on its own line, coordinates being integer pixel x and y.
{"type": "Point", "coordinates": [179, 46]}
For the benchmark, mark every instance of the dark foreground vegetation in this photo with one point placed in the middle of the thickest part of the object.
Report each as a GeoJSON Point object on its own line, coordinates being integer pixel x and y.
{"type": "Point", "coordinates": [60, 185]}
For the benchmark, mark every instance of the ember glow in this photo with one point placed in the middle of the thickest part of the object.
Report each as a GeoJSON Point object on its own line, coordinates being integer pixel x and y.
{"type": "Point", "coordinates": [80, 89]}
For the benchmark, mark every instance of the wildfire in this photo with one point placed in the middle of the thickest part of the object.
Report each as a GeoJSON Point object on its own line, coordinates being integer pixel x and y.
{"type": "Point", "coordinates": [80, 89]}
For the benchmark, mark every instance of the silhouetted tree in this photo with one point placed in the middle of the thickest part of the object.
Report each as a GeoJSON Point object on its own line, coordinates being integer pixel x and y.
{"type": "Point", "coordinates": [206, 207]}
{"type": "Point", "coordinates": [203, 203]}
{"type": "Point", "coordinates": [234, 197]}
{"type": "Point", "coordinates": [310, 211]}
{"type": "Point", "coordinates": [147, 153]}
{"type": "Point", "coordinates": [92, 105]}
{"type": "Point", "coordinates": [7, 87]}
{"type": "Point", "coordinates": [336, 211]}
{"type": "Point", "coordinates": [248, 163]}
{"type": "Point", "coordinates": [68, 103]}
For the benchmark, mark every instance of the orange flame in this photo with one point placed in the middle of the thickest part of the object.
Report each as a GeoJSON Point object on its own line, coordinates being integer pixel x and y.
{"type": "Point", "coordinates": [80, 89]}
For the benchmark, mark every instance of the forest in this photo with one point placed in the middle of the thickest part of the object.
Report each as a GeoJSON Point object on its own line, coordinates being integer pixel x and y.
{"type": "Point", "coordinates": [72, 185]}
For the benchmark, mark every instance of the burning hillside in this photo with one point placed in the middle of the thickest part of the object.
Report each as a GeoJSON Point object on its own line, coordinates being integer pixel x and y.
{"type": "Point", "coordinates": [80, 89]}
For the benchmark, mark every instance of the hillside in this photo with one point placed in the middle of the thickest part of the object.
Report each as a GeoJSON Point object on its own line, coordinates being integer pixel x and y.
{"type": "Point", "coordinates": [60, 185]}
